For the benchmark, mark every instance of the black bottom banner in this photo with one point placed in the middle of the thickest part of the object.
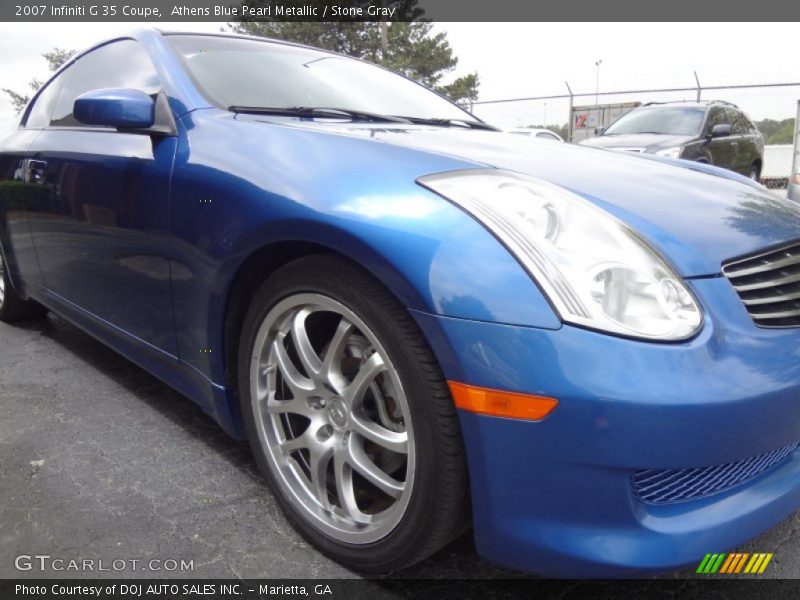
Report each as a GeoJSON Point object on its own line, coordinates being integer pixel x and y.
{"type": "Point", "coordinates": [345, 589]}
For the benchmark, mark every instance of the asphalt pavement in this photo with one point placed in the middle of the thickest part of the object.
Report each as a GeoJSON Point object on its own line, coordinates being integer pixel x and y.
{"type": "Point", "coordinates": [101, 461]}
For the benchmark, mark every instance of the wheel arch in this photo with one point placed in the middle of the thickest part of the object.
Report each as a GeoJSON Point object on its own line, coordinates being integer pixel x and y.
{"type": "Point", "coordinates": [260, 263]}
{"type": "Point", "coordinates": [12, 268]}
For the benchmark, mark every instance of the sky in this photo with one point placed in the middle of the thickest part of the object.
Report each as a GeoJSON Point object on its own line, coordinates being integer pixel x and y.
{"type": "Point", "coordinates": [527, 59]}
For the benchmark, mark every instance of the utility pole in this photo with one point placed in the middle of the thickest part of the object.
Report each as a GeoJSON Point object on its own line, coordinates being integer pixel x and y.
{"type": "Point", "coordinates": [699, 89]}
{"type": "Point", "coordinates": [597, 82]}
{"type": "Point", "coordinates": [571, 103]}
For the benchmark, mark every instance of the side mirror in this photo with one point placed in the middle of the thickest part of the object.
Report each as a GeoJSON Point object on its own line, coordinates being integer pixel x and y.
{"type": "Point", "coordinates": [599, 130]}
{"type": "Point", "coordinates": [115, 107]}
{"type": "Point", "coordinates": [721, 130]}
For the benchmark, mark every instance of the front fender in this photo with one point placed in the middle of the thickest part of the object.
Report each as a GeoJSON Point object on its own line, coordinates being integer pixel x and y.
{"type": "Point", "coordinates": [463, 273]}
{"type": "Point", "coordinates": [241, 187]}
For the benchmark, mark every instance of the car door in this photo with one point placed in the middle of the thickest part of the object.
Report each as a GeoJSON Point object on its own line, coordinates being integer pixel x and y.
{"type": "Point", "coordinates": [20, 190]}
{"type": "Point", "coordinates": [720, 151]}
{"type": "Point", "coordinates": [102, 239]}
{"type": "Point", "coordinates": [747, 151]}
{"type": "Point", "coordinates": [742, 143]}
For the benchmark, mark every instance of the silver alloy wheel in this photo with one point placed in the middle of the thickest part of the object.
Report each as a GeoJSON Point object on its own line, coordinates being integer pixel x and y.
{"type": "Point", "coordinates": [333, 418]}
{"type": "Point", "coordinates": [2, 281]}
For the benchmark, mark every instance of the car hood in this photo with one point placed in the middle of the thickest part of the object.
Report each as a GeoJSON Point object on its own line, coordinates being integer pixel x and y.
{"type": "Point", "coordinates": [650, 142]}
{"type": "Point", "coordinates": [697, 216]}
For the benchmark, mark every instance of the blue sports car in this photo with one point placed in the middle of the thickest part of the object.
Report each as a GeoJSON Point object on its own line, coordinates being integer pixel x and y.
{"type": "Point", "coordinates": [420, 323]}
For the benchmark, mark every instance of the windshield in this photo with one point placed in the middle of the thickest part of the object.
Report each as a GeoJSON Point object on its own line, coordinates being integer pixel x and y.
{"type": "Point", "coordinates": [660, 120]}
{"type": "Point", "coordinates": [240, 72]}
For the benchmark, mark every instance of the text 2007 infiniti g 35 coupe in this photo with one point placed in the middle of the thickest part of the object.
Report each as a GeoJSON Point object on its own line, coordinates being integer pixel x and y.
{"type": "Point", "coordinates": [417, 321]}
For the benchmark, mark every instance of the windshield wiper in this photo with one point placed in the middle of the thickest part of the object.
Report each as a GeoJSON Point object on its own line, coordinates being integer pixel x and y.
{"type": "Point", "coordinates": [318, 113]}
{"type": "Point", "coordinates": [339, 113]}
{"type": "Point", "coordinates": [445, 122]}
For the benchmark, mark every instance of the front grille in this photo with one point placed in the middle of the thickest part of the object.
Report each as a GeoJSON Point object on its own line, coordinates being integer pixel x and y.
{"type": "Point", "coordinates": [657, 486]}
{"type": "Point", "coordinates": [769, 285]}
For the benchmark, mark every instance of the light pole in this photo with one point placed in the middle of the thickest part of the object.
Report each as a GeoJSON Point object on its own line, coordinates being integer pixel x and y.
{"type": "Point", "coordinates": [597, 82]}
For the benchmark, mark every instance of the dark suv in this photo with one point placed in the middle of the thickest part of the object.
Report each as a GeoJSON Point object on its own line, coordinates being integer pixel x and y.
{"type": "Point", "coordinates": [715, 132]}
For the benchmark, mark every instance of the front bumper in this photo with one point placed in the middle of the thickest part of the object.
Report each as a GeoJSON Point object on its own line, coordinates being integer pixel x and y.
{"type": "Point", "coordinates": [554, 496]}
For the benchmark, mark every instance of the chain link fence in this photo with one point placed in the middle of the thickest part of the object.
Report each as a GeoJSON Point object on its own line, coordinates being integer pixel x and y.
{"type": "Point", "coordinates": [772, 106]}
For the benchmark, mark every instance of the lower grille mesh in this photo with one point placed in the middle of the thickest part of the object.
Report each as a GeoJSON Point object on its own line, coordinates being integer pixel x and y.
{"type": "Point", "coordinates": [657, 486]}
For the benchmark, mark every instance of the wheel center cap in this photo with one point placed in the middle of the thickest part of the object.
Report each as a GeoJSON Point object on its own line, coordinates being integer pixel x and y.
{"type": "Point", "coordinates": [337, 412]}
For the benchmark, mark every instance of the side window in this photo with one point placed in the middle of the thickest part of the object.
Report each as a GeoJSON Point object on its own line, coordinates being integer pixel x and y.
{"type": "Point", "coordinates": [546, 136]}
{"type": "Point", "coordinates": [739, 124]}
{"type": "Point", "coordinates": [716, 116]}
{"type": "Point", "coordinates": [123, 64]}
{"type": "Point", "coordinates": [39, 113]}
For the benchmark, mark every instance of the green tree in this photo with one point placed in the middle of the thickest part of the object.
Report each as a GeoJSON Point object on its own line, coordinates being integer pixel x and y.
{"type": "Point", "coordinates": [55, 58]}
{"type": "Point", "coordinates": [409, 47]}
{"type": "Point", "coordinates": [777, 132]}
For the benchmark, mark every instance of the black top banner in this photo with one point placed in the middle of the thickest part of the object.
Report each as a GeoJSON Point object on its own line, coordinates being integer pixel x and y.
{"type": "Point", "coordinates": [164, 11]}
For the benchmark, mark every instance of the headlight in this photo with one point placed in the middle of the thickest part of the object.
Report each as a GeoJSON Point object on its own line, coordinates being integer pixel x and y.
{"type": "Point", "coordinates": [596, 271]}
{"type": "Point", "coordinates": [671, 152]}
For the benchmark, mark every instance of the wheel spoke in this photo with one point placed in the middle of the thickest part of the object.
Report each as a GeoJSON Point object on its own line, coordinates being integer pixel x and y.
{"type": "Point", "coordinates": [391, 440]}
{"type": "Point", "coordinates": [305, 351]}
{"type": "Point", "coordinates": [335, 351]}
{"type": "Point", "coordinates": [296, 405]}
{"type": "Point", "coordinates": [301, 441]}
{"type": "Point", "coordinates": [380, 402]}
{"type": "Point", "coordinates": [343, 474]}
{"type": "Point", "coordinates": [354, 393]}
{"type": "Point", "coordinates": [372, 472]}
{"type": "Point", "coordinates": [320, 457]}
{"type": "Point", "coordinates": [299, 384]}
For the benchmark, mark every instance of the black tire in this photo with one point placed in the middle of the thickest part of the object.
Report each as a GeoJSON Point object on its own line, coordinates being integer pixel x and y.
{"type": "Point", "coordinates": [12, 307]}
{"type": "Point", "coordinates": [438, 505]}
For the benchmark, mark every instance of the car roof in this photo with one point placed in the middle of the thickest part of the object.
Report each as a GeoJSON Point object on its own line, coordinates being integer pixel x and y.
{"type": "Point", "coordinates": [138, 34]}
{"type": "Point", "coordinates": [148, 33]}
{"type": "Point", "coordinates": [689, 104]}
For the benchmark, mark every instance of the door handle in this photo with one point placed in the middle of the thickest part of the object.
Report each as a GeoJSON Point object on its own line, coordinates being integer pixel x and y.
{"type": "Point", "coordinates": [34, 171]}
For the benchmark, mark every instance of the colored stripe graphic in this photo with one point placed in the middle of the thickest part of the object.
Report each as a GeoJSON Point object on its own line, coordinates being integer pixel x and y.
{"type": "Point", "coordinates": [726, 566]}
{"type": "Point", "coordinates": [765, 563]}
{"type": "Point", "coordinates": [753, 562]}
{"type": "Point", "coordinates": [758, 563]}
{"type": "Point", "coordinates": [704, 564]}
{"type": "Point", "coordinates": [741, 562]}
{"type": "Point", "coordinates": [718, 564]}
{"type": "Point", "coordinates": [711, 563]}
{"type": "Point", "coordinates": [734, 563]}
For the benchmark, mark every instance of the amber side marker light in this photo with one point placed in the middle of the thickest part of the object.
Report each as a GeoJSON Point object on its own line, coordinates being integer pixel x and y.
{"type": "Point", "coordinates": [499, 403]}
